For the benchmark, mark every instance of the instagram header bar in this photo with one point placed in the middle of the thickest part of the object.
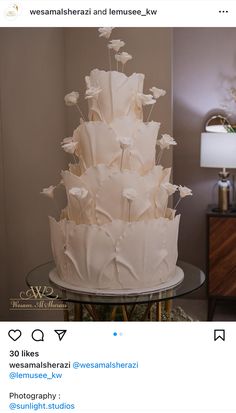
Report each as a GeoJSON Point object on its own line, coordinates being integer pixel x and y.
{"type": "Point", "coordinates": [72, 13]}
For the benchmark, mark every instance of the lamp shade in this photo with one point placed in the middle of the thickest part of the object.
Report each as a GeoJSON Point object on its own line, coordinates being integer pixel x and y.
{"type": "Point", "coordinates": [218, 150]}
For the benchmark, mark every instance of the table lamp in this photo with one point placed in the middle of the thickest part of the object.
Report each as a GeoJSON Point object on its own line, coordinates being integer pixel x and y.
{"type": "Point", "coordinates": [218, 150]}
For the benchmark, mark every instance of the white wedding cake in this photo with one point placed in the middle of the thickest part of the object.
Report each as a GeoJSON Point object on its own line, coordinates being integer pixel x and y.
{"type": "Point", "coordinates": [117, 232]}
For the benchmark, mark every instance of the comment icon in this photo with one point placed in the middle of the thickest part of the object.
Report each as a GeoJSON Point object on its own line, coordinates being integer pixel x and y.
{"type": "Point", "coordinates": [37, 335]}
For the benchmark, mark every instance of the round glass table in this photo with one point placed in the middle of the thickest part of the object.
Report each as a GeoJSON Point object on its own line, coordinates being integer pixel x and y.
{"type": "Point", "coordinates": [102, 306]}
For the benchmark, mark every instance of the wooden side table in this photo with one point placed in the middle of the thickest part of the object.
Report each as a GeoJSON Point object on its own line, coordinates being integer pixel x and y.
{"type": "Point", "coordinates": [221, 257]}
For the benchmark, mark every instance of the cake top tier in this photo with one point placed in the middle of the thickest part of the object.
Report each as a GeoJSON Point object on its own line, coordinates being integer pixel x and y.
{"type": "Point", "coordinates": [112, 94]}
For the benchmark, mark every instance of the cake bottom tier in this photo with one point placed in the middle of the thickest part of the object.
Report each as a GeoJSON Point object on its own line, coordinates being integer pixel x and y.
{"type": "Point", "coordinates": [116, 256]}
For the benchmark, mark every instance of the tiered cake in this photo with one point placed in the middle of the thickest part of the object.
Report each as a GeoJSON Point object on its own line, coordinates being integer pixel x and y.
{"type": "Point", "coordinates": [117, 233]}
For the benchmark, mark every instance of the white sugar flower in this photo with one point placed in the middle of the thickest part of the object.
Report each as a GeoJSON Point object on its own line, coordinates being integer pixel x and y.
{"type": "Point", "coordinates": [125, 142]}
{"type": "Point", "coordinates": [69, 147]}
{"type": "Point", "coordinates": [49, 192]}
{"type": "Point", "coordinates": [78, 193]}
{"type": "Point", "coordinates": [105, 32]}
{"type": "Point", "coordinates": [184, 191]}
{"type": "Point", "coordinates": [92, 92]}
{"type": "Point", "coordinates": [123, 57]}
{"type": "Point", "coordinates": [130, 194]}
{"type": "Point", "coordinates": [71, 99]}
{"type": "Point", "coordinates": [166, 141]}
{"type": "Point", "coordinates": [145, 99]}
{"type": "Point", "coordinates": [157, 93]}
{"type": "Point", "coordinates": [169, 188]}
{"type": "Point", "coordinates": [115, 45]}
{"type": "Point", "coordinates": [67, 140]}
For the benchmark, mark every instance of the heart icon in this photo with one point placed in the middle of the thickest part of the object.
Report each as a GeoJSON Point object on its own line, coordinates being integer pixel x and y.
{"type": "Point", "coordinates": [14, 334]}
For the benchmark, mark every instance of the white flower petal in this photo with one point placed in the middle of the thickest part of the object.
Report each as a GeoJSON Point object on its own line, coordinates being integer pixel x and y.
{"type": "Point", "coordinates": [78, 193]}
{"type": "Point", "coordinates": [115, 45]}
{"type": "Point", "coordinates": [67, 140]}
{"type": "Point", "coordinates": [145, 99]}
{"type": "Point", "coordinates": [184, 191]}
{"type": "Point", "coordinates": [49, 192]}
{"type": "Point", "coordinates": [123, 57]}
{"type": "Point", "coordinates": [105, 32]}
{"type": "Point", "coordinates": [125, 142]}
{"type": "Point", "coordinates": [69, 147]}
{"type": "Point", "coordinates": [92, 92]}
{"type": "Point", "coordinates": [166, 141]}
{"type": "Point", "coordinates": [157, 93]}
{"type": "Point", "coordinates": [72, 98]}
{"type": "Point", "coordinates": [130, 194]}
{"type": "Point", "coordinates": [169, 188]}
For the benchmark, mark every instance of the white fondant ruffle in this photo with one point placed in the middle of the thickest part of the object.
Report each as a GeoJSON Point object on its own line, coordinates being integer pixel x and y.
{"type": "Point", "coordinates": [98, 144]}
{"type": "Point", "coordinates": [105, 201]}
{"type": "Point", "coordinates": [118, 95]}
{"type": "Point", "coordinates": [117, 255]}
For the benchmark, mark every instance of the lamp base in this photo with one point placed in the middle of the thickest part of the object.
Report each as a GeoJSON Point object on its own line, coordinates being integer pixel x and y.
{"type": "Point", "coordinates": [223, 191]}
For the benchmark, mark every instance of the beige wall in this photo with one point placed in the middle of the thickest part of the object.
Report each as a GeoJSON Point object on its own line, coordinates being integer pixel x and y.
{"type": "Point", "coordinates": [203, 67]}
{"type": "Point", "coordinates": [32, 114]}
{"type": "Point", "coordinates": [38, 66]}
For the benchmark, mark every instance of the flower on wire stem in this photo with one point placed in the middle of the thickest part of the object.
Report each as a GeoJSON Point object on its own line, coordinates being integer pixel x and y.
{"type": "Point", "coordinates": [157, 93]}
{"type": "Point", "coordinates": [123, 58]}
{"type": "Point", "coordinates": [69, 147]}
{"type": "Point", "coordinates": [67, 140]}
{"type": "Point", "coordinates": [92, 92]}
{"type": "Point", "coordinates": [125, 142]}
{"type": "Point", "coordinates": [78, 193]}
{"type": "Point", "coordinates": [115, 45]}
{"type": "Point", "coordinates": [145, 100]}
{"type": "Point", "coordinates": [130, 194]}
{"type": "Point", "coordinates": [169, 188]}
{"type": "Point", "coordinates": [71, 99]}
{"type": "Point", "coordinates": [49, 192]}
{"type": "Point", "coordinates": [166, 141]}
{"type": "Point", "coordinates": [183, 192]}
{"type": "Point", "coordinates": [105, 32]}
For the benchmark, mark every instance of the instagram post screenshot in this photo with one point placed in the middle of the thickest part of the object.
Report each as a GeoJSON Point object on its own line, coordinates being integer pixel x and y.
{"type": "Point", "coordinates": [118, 206]}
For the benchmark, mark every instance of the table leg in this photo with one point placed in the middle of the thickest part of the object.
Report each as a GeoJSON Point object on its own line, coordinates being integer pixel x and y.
{"type": "Point", "coordinates": [147, 311]}
{"type": "Point", "coordinates": [124, 312]}
{"type": "Point", "coordinates": [131, 311]}
{"type": "Point", "coordinates": [158, 310]}
{"type": "Point", "coordinates": [113, 313]}
{"type": "Point", "coordinates": [66, 314]}
{"type": "Point", "coordinates": [78, 312]}
{"type": "Point", "coordinates": [168, 307]}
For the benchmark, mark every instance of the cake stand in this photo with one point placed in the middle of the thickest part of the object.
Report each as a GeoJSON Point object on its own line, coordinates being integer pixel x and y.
{"type": "Point", "coordinates": [77, 304]}
{"type": "Point", "coordinates": [165, 286]}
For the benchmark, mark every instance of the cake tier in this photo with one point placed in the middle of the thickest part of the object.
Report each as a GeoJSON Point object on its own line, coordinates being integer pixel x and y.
{"type": "Point", "coordinates": [118, 255]}
{"type": "Point", "coordinates": [118, 96]}
{"type": "Point", "coordinates": [106, 200]}
{"type": "Point", "coordinates": [98, 143]}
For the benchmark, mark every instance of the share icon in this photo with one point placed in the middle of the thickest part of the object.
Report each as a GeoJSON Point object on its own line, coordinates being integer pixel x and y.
{"type": "Point", "coordinates": [60, 333]}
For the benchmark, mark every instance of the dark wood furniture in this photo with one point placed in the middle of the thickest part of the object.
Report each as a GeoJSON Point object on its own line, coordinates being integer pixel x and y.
{"type": "Point", "coordinates": [221, 259]}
